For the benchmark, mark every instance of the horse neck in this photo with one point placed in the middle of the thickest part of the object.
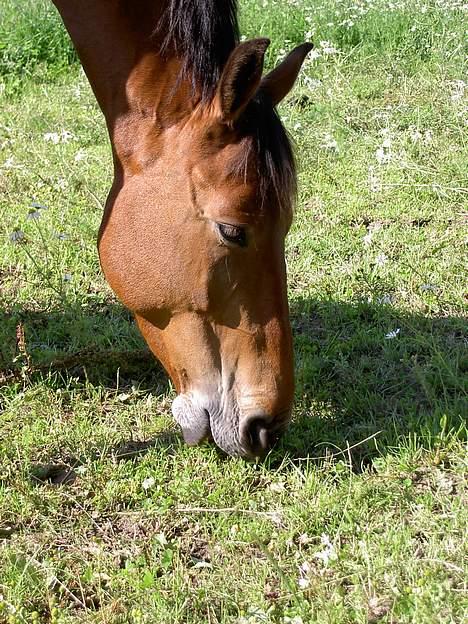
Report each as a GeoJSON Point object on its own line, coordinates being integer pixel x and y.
{"type": "Point", "coordinates": [136, 89]}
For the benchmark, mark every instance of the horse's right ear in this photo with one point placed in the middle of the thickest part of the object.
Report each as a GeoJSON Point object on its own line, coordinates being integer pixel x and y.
{"type": "Point", "coordinates": [240, 78]}
{"type": "Point", "coordinates": [281, 79]}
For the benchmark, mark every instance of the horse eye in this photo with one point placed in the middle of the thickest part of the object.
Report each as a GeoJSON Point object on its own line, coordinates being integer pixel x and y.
{"type": "Point", "coordinates": [233, 234]}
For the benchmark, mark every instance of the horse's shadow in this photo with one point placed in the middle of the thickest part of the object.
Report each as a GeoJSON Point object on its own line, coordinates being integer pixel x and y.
{"type": "Point", "coordinates": [367, 374]}
{"type": "Point", "coordinates": [97, 342]}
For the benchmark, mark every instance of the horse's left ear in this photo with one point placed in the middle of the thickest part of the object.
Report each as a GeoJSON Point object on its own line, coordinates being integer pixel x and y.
{"type": "Point", "coordinates": [280, 80]}
{"type": "Point", "coordinates": [240, 78]}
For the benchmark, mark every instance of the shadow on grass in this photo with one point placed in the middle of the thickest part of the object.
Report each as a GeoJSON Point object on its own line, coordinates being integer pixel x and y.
{"type": "Point", "coordinates": [363, 371]}
{"type": "Point", "coordinates": [98, 343]}
{"type": "Point", "coordinates": [66, 471]}
{"type": "Point", "coordinates": [368, 370]}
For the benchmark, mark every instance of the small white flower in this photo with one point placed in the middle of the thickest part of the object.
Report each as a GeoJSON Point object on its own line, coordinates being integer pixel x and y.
{"type": "Point", "coordinates": [458, 90]}
{"type": "Point", "coordinates": [202, 564]}
{"type": "Point", "coordinates": [54, 137]}
{"type": "Point", "coordinates": [384, 300]}
{"type": "Point", "coordinates": [328, 48]}
{"type": "Point", "coordinates": [61, 184]}
{"type": "Point", "coordinates": [416, 135]}
{"type": "Point", "coordinates": [392, 334]}
{"type": "Point", "coordinates": [277, 486]}
{"type": "Point", "coordinates": [281, 54]}
{"type": "Point", "coordinates": [328, 553]}
{"type": "Point", "coordinates": [381, 259]}
{"type": "Point", "coordinates": [428, 135]}
{"type": "Point", "coordinates": [330, 143]}
{"type": "Point", "coordinates": [325, 556]}
{"type": "Point", "coordinates": [16, 236]}
{"type": "Point", "coordinates": [304, 539]}
{"type": "Point", "coordinates": [80, 155]}
{"type": "Point", "coordinates": [383, 155]}
{"type": "Point", "coordinates": [148, 483]}
{"type": "Point", "coordinates": [161, 539]}
{"type": "Point", "coordinates": [9, 163]}
{"type": "Point", "coordinates": [305, 567]}
{"type": "Point", "coordinates": [312, 83]}
{"type": "Point", "coordinates": [51, 137]}
{"type": "Point", "coordinates": [371, 229]}
{"type": "Point", "coordinates": [304, 571]}
{"type": "Point", "coordinates": [66, 136]}
{"type": "Point", "coordinates": [313, 55]}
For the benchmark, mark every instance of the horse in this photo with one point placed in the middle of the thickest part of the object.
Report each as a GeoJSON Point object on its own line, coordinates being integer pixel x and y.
{"type": "Point", "coordinates": [193, 232]}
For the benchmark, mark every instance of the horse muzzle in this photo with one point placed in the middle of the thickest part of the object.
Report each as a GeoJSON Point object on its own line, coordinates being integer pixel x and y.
{"type": "Point", "coordinates": [250, 436]}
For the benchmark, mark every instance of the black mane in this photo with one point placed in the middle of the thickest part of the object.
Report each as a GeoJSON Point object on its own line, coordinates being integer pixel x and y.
{"type": "Point", "coordinates": [268, 140]}
{"type": "Point", "coordinates": [203, 33]}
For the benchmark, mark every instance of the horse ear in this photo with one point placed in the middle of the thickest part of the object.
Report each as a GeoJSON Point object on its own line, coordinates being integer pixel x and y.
{"type": "Point", "coordinates": [280, 80]}
{"type": "Point", "coordinates": [240, 78]}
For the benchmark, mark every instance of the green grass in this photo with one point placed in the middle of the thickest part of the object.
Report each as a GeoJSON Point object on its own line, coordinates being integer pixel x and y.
{"type": "Point", "coordinates": [359, 515]}
{"type": "Point", "coordinates": [33, 43]}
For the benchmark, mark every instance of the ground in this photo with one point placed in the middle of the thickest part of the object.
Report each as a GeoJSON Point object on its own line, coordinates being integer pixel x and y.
{"type": "Point", "coordinates": [359, 515]}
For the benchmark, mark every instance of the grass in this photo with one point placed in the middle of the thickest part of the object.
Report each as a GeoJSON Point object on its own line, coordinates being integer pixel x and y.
{"type": "Point", "coordinates": [359, 515]}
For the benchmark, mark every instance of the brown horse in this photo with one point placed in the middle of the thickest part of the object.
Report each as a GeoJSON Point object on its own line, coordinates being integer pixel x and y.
{"type": "Point", "coordinates": [192, 238]}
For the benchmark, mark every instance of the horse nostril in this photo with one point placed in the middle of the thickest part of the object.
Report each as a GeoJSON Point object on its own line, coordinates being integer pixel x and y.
{"type": "Point", "coordinates": [256, 437]}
